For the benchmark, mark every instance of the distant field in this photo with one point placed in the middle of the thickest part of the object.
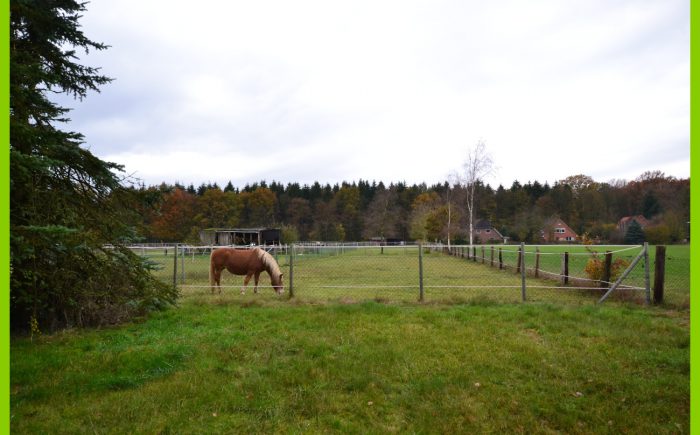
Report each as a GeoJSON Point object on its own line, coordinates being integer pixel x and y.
{"type": "Point", "coordinates": [392, 273]}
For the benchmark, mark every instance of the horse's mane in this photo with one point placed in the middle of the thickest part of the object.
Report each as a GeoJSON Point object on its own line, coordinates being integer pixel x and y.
{"type": "Point", "coordinates": [268, 262]}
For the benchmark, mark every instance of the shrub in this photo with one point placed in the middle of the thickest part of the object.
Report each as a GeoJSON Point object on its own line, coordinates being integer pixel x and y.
{"type": "Point", "coordinates": [596, 266]}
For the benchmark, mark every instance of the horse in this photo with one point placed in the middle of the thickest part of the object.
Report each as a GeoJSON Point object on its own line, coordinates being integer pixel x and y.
{"type": "Point", "coordinates": [248, 262]}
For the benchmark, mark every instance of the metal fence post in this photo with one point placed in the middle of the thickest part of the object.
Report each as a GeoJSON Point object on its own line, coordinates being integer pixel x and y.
{"type": "Point", "coordinates": [420, 272]}
{"type": "Point", "coordinates": [622, 277]}
{"type": "Point", "coordinates": [522, 268]}
{"type": "Point", "coordinates": [291, 273]}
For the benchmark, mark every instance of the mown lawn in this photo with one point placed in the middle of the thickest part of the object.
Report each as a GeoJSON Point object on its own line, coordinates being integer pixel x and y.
{"type": "Point", "coordinates": [227, 364]}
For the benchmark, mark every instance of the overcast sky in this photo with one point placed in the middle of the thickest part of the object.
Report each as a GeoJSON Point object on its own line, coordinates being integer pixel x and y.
{"type": "Point", "coordinates": [306, 91]}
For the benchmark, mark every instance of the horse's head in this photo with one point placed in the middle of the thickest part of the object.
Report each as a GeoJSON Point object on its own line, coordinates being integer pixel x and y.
{"type": "Point", "coordinates": [277, 283]}
{"type": "Point", "coordinates": [269, 263]}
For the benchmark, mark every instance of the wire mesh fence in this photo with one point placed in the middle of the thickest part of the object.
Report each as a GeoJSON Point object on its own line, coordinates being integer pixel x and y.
{"type": "Point", "coordinates": [435, 273]}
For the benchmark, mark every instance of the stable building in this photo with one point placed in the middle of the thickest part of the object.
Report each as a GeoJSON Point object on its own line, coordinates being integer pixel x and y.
{"type": "Point", "coordinates": [240, 236]}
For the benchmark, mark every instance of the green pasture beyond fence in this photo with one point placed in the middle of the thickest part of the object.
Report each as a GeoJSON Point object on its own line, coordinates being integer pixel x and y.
{"type": "Point", "coordinates": [434, 273]}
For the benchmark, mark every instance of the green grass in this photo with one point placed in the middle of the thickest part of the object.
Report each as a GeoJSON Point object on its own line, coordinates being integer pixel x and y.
{"type": "Point", "coordinates": [263, 364]}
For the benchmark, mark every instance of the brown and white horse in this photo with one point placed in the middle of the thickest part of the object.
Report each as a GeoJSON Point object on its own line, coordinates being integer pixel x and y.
{"type": "Point", "coordinates": [248, 262]}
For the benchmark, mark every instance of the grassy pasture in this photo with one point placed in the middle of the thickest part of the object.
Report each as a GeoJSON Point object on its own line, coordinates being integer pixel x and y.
{"type": "Point", "coordinates": [363, 273]}
{"type": "Point", "coordinates": [223, 364]}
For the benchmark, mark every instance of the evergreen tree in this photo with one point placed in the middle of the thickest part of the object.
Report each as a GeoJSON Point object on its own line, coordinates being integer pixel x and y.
{"type": "Point", "coordinates": [65, 202]}
{"type": "Point", "coordinates": [635, 234]}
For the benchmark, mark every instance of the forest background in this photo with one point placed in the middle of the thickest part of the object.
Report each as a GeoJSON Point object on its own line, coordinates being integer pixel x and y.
{"type": "Point", "coordinates": [364, 210]}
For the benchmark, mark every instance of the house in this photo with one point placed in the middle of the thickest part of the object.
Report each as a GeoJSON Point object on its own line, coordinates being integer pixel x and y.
{"type": "Point", "coordinates": [485, 233]}
{"type": "Point", "coordinates": [240, 236]}
{"type": "Point", "coordinates": [556, 230]}
{"type": "Point", "coordinates": [625, 222]}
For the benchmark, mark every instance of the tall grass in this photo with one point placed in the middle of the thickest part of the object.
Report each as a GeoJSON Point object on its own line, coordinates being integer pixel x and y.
{"type": "Point", "coordinates": [223, 364]}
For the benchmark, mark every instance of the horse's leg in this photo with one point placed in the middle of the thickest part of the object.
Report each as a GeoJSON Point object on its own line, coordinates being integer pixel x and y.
{"type": "Point", "coordinates": [245, 283]}
{"type": "Point", "coordinates": [213, 278]}
{"type": "Point", "coordinates": [257, 277]}
{"type": "Point", "coordinates": [217, 278]}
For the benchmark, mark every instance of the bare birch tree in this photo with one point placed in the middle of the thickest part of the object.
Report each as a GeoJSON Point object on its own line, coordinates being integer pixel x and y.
{"type": "Point", "coordinates": [476, 167]}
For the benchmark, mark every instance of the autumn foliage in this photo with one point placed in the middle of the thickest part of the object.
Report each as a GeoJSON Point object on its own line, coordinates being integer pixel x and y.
{"type": "Point", "coordinates": [363, 210]}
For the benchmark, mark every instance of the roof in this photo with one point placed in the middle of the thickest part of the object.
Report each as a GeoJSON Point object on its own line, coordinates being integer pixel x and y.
{"type": "Point", "coordinates": [641, 220]}
{"type": "Point", "coordinates": [241, 230]}
{"type": "Point", "coordinates": [482, 224]}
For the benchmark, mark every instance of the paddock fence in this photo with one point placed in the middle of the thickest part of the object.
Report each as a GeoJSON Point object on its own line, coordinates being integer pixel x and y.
{"type": "Point", "coordinates": [437, 273]}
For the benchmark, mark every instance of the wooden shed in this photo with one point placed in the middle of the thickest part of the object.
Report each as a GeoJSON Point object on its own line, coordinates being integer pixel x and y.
{"type": "Point", "coordinates": [240, 236]}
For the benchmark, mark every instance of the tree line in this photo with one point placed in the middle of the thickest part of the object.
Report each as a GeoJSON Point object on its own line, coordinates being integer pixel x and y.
{"type": "Point", "coordinates": [364, 210]}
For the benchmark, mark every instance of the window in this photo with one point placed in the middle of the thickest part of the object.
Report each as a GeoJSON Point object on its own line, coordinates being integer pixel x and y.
{"type": "Point", "coordinates": [559, 230]}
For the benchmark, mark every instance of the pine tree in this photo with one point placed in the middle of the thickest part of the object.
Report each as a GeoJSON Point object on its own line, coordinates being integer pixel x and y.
{"type": "Point", "coordinates": [634, 234]}
{"type": "Point", "coordinates": [65, 202]}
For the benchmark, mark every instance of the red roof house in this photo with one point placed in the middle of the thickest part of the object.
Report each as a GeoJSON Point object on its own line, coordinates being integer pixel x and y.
{"type": "Point", "coordinates": [485, 233]}
{"type": "Point", "coordinates": [556, 230]}
{"type": "Point", "coordinates": [625, 222]}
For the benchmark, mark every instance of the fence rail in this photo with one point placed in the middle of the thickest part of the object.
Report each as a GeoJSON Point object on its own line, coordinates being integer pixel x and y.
{"type": "Point", "coordinates": [499, 273]}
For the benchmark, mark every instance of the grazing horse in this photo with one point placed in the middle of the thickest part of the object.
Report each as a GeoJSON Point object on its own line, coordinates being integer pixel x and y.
{"type": "Point", "coordinates": [248, 262]}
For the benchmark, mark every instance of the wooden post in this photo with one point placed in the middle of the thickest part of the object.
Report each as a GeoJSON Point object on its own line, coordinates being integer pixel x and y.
{"type": "Point", "coordinates": [607, 270]}
{"type": "Point", "coordinates": [483, 257]}
{"type": "Point", "coordinates": [182, 266]}
{"type": "Point", "coordinates": [520, 259]}
{"type": "Point", "coordinates": [565, 268]}
{"type": "Point", "coordinates": [537, 262]}
{"type": "Point", "coordinates": [500, 258]}
{"type": "Point", "coordinates": [492, 255]}
{"type": "Point", "coordinates": [659, 274]}
{"type": "Point", "coordinates": [647, 289]}
{"type": "Point", "coordinates": [175, 268]}
{"type": "Point", "coordinates": [474, 254]}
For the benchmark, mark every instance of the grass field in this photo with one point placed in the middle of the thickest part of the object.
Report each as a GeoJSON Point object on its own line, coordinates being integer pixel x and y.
{"type": "Point", "coordinates": [335, 273]}
{"type": "Point", "coordinates": [224, 364]}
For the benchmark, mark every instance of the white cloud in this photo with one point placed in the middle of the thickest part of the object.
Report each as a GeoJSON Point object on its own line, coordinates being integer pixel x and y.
{"type": "Point", "coordinates": [389, 91]}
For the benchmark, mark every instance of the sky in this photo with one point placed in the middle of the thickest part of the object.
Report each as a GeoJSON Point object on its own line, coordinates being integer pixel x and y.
{"type": "Point", "coordinates": [392, 91]}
